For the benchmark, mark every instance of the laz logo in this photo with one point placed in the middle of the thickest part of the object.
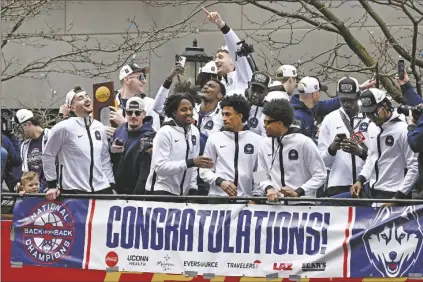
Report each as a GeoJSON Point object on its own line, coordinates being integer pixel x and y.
{"type": "Point", "coordinates": [282, 266]}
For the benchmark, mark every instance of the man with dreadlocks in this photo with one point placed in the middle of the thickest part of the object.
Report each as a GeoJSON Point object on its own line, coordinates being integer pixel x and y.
{"type": "Point", "coordinates": [176, 149]}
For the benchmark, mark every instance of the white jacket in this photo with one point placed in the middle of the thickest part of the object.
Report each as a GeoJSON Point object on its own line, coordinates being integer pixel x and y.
{"type": "Point", "coordinates": [82, 153]}
{"type": "Point", "coordinates": [389, 155]}
{"type": "Point", "coordinates": [239, 78]}
{"type": "Point", "coordinates": [235, 159]}
{"type": "Point", "coordinates": [210, 123]}
{"type": "Point", "coordinates": [25, 148]}
{"type": "Point", "coordinates": [256, 121]}
{"type": "Point", "coordinates": [301, 166]}
{"type": "Point", "coordinates": [170, 169]}
{"type": "Point", "coordinates": [345, 167]}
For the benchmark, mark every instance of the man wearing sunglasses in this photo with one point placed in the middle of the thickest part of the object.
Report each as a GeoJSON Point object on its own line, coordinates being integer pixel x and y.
{"type": "Point", "coordinates": [133, 79]}
{"type": "Point", "coordinates": [130, 151]}
{"type": "Point", "coordinates": [389, 153]}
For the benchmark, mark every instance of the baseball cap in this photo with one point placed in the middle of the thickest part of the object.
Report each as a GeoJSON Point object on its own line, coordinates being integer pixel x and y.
{"type": "Point", "coordinates": [308, 85]}
{"type": "Point", "coordinates": [276, 91]}
{"type": "Point", "coordinates": [23, 115]}
{"type": "Point", "coordinates": [347, 88]}
{"type": "Point", "coordinates": [261, 79]}
{"type": "Point", "coordinates": [132, 68]}
{"type": "Point", "coordinates": [322, 87]}
{"type": "Point", "coordinates": [286, 71]}
{"type": "Point", "coordinates": [135, 103]}
{"type": "Point", "coordinates": [370, 99]}
{"type": "Point", "coordinates": [72, 93]}
{"type": "Point", "coordinates": [210, 67]}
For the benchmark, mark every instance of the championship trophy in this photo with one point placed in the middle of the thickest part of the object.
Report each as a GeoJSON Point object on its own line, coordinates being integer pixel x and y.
{"type": "Point", "coordinates": [104, 98]}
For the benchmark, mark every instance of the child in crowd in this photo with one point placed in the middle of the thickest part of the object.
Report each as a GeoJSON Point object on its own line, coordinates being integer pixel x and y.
{"type": "Point", "coordinates": [30, 183]}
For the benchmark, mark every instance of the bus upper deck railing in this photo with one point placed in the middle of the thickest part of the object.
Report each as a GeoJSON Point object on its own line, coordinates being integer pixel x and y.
{"type": "Point", "coordinates": [8, 196]}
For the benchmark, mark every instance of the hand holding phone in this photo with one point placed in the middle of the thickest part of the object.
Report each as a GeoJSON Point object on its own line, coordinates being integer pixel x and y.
{"type": "Point", "coordinates": [401, 69]}
{"type": "Point", "coordinates": [180, 60]}
{"type": "Point", "coordinates": [341, 136]}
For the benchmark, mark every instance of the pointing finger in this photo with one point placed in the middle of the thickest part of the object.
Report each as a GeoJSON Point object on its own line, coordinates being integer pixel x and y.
{"type": "Point", "coordinates": [205, 10]}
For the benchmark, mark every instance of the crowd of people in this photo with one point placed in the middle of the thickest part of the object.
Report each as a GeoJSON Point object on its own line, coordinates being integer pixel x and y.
{"type": "Point", "coordinates": [239, 132]}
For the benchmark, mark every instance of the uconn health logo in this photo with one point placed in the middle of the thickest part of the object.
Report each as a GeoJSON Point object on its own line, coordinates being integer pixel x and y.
{"type": "Point", "coordinates": [48, 233]}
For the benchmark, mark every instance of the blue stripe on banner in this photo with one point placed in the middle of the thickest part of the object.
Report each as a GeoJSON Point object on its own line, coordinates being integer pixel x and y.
{"type": "Point", "coordinates": [49, 233]}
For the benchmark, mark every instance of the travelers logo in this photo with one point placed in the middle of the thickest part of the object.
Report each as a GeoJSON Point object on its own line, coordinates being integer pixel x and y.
{"type": "Point", "coordinates": [48, 233]}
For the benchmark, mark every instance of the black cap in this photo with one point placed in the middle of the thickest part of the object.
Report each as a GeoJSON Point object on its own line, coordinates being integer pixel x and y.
{"type": "Point", "coordinates": [348, 88]}
{"type": "Point", "coordinates": [261, 78]}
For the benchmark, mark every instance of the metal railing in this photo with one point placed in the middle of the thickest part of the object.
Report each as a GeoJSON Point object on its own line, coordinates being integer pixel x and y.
{"type": "Point", "coordinates": [8, 196]}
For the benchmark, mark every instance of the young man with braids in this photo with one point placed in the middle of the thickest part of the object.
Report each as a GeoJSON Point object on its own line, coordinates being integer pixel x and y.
{"type": "Point", "coordinates": [176, 149]}
{"type": "Point", "coordinates": [233, 151]}
{"type": "Point", "coordinates": [290, 160]}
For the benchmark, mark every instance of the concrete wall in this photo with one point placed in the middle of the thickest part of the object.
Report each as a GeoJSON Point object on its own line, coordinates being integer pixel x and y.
{"type": "Point", "coordinates": [104, 21]}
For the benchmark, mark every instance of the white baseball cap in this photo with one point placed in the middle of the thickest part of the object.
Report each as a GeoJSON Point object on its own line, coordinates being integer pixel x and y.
{"type": "Point", "coordinates": [276, 95]}
{"type": "Point", "coordinates": [370, 99]}
{"type": "Point", "coordinates": [210, 67]}
{"type": "Point", "coordinates": [72, 93]}
{"type": "Point", "coordinates": [132, 68]}
{"type": "Point", "coordinates": [286, 71]}
{"type": "Point", "coordinates": [135, 103]}
{"type": "Point", "coordinates": [23, 116]}
{"type": "Point", "coordinates": [308, 85]}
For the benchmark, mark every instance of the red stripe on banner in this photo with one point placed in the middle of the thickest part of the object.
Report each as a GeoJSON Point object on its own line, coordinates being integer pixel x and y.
{"type": "Point", "coordinates": [90, 226]}
{"type": "Point", "coordinates": [345, 244]}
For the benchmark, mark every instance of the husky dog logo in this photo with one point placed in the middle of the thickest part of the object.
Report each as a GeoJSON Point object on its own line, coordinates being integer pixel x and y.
{"type": "Point", "coordinates": [394, 241]}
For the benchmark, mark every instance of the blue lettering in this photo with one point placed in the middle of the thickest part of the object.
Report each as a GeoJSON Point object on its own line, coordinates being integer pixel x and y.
{"type": "Point", "coordinates": [112, 240]}
{"type": "Point", "coordinates": [159, 216]}
{"type": "Point", "coordinates": [203, 215]}
{"type": "Point", "coordinates": [326, 219]}
{"type": "Point", "coordinates": [296, 233]}
{"type": "Point", "coordinates": [257, 238]}
{"type": "Point", "coordinates": [171, 229]}
{"type": "Point", "coordinates": [215, 232]}
{"type": "Point", "coordinates": [227, 248]}
{"type": "Point", "coordinates": [243, 233]}
{"type": "Point", "coordinates": [142, 226]}
{"type": "Point", "coordinates": [280, 246]}
{"type": "Point", "coordinates": [187, 230]}
{"type": "Point", "coordinates": [313, 237]}
{"type": "Point", "coordinates": [127, 236]}
{"type": "Point", "coordinates": [269, 233]}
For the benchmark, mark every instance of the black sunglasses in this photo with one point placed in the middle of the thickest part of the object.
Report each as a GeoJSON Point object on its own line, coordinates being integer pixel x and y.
{"type": "Point", "coordinates": [130, 113]}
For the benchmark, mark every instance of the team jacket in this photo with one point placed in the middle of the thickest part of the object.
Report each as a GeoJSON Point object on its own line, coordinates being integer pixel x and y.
{"type": "Point", "coordinates": [83, 156]}
{"type": "Point", "coordinates": [235, 159]}
{"type": "Point", "coordinates": [256, 120]}
{"type": "Point", "coordinates": [344, 167]}
{"type": "Point", "coordinates": [239, 78]}
{"type": "Point", "coordinates": [210, 123]}
{"type": "Point", "coordinates": [172, 167]}
{"type": "Point", "coordinates": [388, 157]}
{"type": "Point", "coordinates": [294, 162]}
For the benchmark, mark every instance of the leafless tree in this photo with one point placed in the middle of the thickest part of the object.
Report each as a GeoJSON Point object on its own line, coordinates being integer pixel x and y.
{"type": "Point", "coordinates": [349, 55]}
{"type": "Point", "coordinates": [86, 56]}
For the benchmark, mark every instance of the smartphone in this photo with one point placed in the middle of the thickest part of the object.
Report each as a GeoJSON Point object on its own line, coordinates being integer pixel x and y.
{"type": "Point", "coordinates": [401, 69]}
{"type": "Point", "coordinates": [180, 60]}
{"type": "Point", "coordinates": [119, 142]}
{"type": "Point", "coordinates": [341, 136]}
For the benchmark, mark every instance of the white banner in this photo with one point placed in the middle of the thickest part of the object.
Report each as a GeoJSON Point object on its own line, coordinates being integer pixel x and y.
{"type": "Point", "coordinates": [224, 240]}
